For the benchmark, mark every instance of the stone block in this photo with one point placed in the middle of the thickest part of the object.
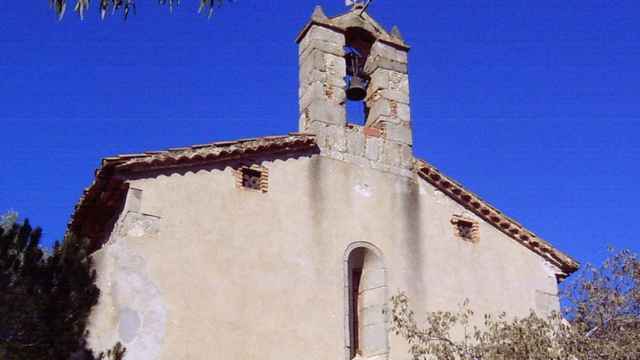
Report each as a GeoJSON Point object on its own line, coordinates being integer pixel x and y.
{"type": "Point", "coordinates": [324, 34]}
{"type": "Point", "coordinates": [391, 153]}
{"type": "Point", "coordinates": [336, 138]}
{"type": "Point", "coordinates": [135, 225]}
{"type": "Point", "coordinates": [389, 52]}
{"type": "Point", "coordinates": [387, 111]}
{"type": "Point", "coordinates": [373, 339]}
{"type": "Point", "coordinates": [373, 297]}
{"type": "Point", "coordinates": [399, 82]}
{"type": "Point", "coordinates": [355, 142]}
{"type": "Point", "coordinates": [302, 122]}
{"type": "Point", "coordinates": [394, 95]}
{"type": "Point", "coordinates": [389, 84]}
{"type": "Point", "coordinates": [378, 109]}
{"type": "Point", "coordinates": [372, 278]}
{"type": "Point", "coordinates": [403, 112]}
{"type": "Point", "coordinates": [406, 156]}
{"type": "Point", "coordinates": [375, 63]}
{"type": "Point", "coordinates": [321, 45]}
{"type": "Point", "coordinates": [333, 154]}
{"type": "Point", "coordinates": [319, 129]}
{"type": "Point", "coordinates": [372, 315]}
{"type": "Point", "coordinates": [321, 61]}
{"type": "Point", "coordinates": [320, 91]}
{"type": "Point", "coordinates": [328, 113]}
{"type": "Point", "coordinates": [372, 148]}
{"type": "Point", "coordinates": [398, 133]}
{"type": "Point", "coordinates": [322, 76]}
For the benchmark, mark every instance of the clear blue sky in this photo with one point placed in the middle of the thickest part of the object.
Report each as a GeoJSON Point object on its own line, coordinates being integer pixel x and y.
{"type": "Point", "coordinates": [532, 105]}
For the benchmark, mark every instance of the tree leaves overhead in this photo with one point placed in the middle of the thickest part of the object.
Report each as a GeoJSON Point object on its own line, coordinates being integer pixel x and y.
{"type": "Point", "coordinates": [59, 6]}
{"type": "Point", "coordinates": [106, 7]}
{"type": "Point", "coordinates": [210, 5]}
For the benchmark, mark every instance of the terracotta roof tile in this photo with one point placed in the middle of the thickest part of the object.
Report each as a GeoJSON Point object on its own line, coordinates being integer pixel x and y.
{"type": "Point", "coordinates": [489, 213]}
{"type": "Point", "coordinates": [107, 184]}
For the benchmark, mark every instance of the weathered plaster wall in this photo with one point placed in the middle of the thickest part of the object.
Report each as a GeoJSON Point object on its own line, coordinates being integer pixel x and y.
{"type": "Point", "coordinates": [199, 269]}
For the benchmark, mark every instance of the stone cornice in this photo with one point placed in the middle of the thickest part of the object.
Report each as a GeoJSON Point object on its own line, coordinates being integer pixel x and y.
{"type": "Point", "coordinates": [351, 19]}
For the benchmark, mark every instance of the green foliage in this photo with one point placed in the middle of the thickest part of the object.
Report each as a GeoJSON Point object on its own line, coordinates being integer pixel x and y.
{"type": "Point", "coordinates": [451, 336]}
{"type": "Point", "coordinates": [602, 323]}
{"type": "Point", "coordinates": [45, 300]}
{"type": "Point", "coordinates": [603, 305]}
{"type": "Point", "coordinates": [125, 6]}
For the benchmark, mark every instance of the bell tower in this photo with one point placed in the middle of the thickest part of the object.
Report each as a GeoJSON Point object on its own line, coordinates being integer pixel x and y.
{"type": "Point", "coordinates": [352, 58]}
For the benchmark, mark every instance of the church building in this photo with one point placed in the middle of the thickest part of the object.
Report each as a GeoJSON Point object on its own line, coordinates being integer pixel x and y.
{"type": "Point", "coordinates": [290, 247]}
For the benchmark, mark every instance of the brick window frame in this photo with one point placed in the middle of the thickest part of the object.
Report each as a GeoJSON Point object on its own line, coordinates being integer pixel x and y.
{"type": "Point", "coordinates": [261, 184]}
{"type": "Point", "coordinates": [465, 228]}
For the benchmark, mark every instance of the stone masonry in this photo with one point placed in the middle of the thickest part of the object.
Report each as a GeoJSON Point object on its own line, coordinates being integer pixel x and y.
{"type": "Point", "coordinates": [385, 140]}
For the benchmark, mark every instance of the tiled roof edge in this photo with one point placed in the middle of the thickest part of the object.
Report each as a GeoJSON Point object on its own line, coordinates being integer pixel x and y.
{"type": "Point", "coordinates": [496, 218]}
{"type": "Point", "coordinates": [106, 177]}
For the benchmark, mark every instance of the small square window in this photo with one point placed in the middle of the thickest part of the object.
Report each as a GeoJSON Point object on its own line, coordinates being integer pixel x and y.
{"type": "Point", "coordinates": [252, 178]}
{"type": "Point", "coordinates": [466, 229]}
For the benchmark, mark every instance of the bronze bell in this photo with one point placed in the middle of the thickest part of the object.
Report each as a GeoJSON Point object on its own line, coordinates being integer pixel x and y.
{"type": "Point", "coordinates": [357, 90]}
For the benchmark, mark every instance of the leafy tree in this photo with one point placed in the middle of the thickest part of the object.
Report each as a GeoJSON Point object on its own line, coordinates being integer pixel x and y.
{"type": "Point", "coordinates": [603, 307]}
{"type": "Point", "coordinates": [601, 322]}
{"type": "Point", "coordinates": [125, 6]}
{"type": "Point", "coordinates": [45, 300]}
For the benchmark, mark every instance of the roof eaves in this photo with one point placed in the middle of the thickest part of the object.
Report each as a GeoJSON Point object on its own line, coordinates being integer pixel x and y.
{"type": "Point", "coordinates": [111, 167]}
{"type": "Point", "coordinates": [495, 217]}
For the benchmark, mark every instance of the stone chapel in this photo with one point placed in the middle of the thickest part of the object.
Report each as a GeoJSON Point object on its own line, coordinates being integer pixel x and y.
{"type": "Point", "coordinates": [289, 247]}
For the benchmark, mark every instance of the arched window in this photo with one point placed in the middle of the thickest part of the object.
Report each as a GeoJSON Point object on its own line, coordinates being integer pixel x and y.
{"type": "Point", "coordinates": [366, 300]}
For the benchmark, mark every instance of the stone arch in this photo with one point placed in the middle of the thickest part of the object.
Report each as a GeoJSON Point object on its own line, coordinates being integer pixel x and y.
{"type": "Point", "coordinates": [366, 321]}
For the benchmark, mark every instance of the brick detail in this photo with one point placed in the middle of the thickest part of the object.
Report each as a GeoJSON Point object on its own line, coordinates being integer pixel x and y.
{"type": "Point", "coordinates": [466, 229]}
{"type": "Point", "coordinates": [263, 181]}
{"type": "Point", "coordinates": [372, 132]}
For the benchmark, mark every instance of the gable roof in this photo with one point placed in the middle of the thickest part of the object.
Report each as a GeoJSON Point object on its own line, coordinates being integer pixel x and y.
{"type": "Point", "coordinates": [102, 200]}
{"type": "Point", "coordinates": [495, 217]}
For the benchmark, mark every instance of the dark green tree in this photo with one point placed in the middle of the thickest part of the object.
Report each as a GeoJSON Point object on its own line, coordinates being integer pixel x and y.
{"type": "Point", "coordinates": [45, 299]}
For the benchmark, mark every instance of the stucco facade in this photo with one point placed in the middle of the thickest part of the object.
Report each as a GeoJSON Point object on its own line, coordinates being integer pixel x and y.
{"type": "Point", "coordinates": [195, 264]}
{"type": "Point", "coordinates": [197, 268]}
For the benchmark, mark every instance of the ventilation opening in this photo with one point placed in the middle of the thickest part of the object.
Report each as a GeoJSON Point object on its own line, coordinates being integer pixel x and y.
{"type": "Point", "coordinates": [252, 178]}
{"type": "Point", "coordinates": [358, 43]}
{"type": "Point", "coordinates": [466, 229]}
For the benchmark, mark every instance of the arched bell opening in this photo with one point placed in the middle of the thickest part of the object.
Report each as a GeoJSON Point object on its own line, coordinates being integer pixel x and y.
{"type": "Point", "coordinates": [358, 43]}
{"type": "Point", "coordinates": [366, 302]}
